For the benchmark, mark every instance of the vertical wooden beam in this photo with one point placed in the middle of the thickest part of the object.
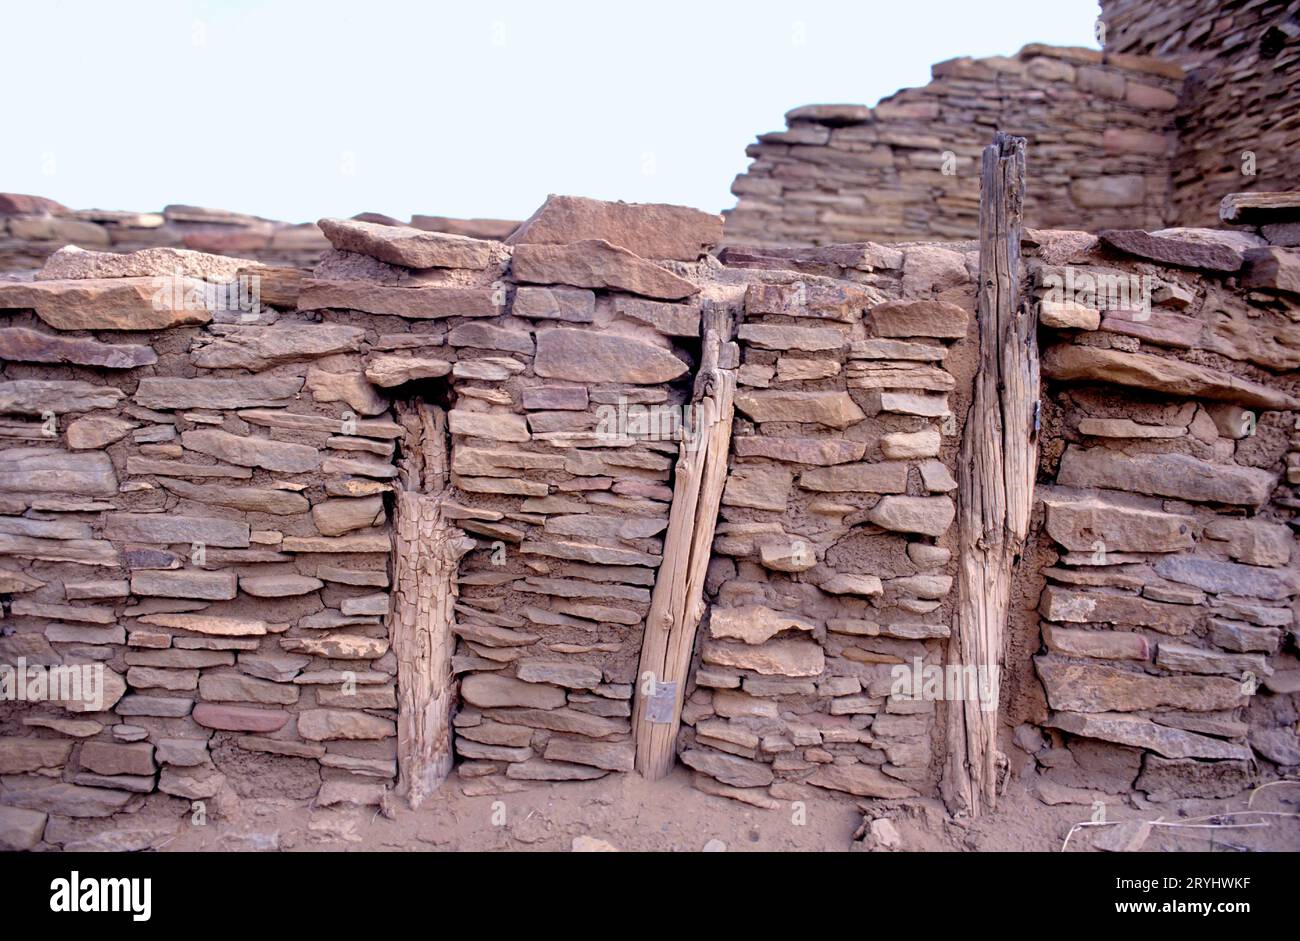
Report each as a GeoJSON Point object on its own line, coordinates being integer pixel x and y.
{"type": "Point", "coordinates": [997, 465]}
{"type": "Point", "coordinates": [426, 555]}
{"type": "Point", "coordinates": [677, 603]}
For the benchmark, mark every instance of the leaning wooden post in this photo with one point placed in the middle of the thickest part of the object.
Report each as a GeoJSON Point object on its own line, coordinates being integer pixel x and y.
{"type": "Point", "coordinates": [426, 555]}
{"type": "Point", "coordinates": [677, 603]}
{"type": "Point", "coordinates": [997, 465]}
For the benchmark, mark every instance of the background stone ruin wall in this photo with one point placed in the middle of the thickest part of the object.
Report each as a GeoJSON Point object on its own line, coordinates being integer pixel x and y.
{"type": "Point", "coordinates": [1189, 101]}
{"type": "Point", "coordinates": [1100, 131]}
{"type": "Point", "coordinates": [34, 227]}
{"type": "Point", "coordinates": [1243, 65]}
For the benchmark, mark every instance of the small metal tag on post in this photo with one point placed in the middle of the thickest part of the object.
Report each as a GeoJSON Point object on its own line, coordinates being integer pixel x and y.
{"type": "Point", "coordinates": [659, 707]}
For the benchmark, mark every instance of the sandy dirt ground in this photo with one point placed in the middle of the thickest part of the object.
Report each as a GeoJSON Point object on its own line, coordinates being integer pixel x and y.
{"type": "Point", "coordinates": [635, 815]}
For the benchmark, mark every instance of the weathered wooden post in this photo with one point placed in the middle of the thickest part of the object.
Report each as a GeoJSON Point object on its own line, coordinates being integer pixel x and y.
{"type": "Point", "coordinates": [677, 603]}
{"type": "Point", "coordinates": [426, 554]}
{"type": "Point", "coordinates": [997, 465]}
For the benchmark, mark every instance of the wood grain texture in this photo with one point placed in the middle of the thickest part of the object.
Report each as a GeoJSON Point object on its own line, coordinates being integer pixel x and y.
{"type": "Point", "coordinates": [427, 550]}
{"type": "Point", "coordinates": [996, 469]}
{"type": "Point", "coordinates": [676, 605]}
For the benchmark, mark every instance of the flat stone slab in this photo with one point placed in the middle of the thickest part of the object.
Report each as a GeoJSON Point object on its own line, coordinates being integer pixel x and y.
{"type": "Point", "coordinates": [491, 690]}
{"type": "Point", "coordinates": [1097, 607]}
{"type": "Point", "coordinates": [595, 263]}
{"type": "Point", "coordinates": [171, 529]}
{"type": "Point", "coordinates": [108, 303]}
{"type": "Point", "coordinates": [406, 246]}
{"type": "Point", "coordinates": [246, 451]}
{"type": "Point", "coordinates": [729, 769]}
{"type": "Point", "coordinates": [169, 393]}
{"type": "Point", "coordinates": [61, 396]}
{"type": "Point", "coordinates": [1068, 362]}
{"type": "Point", "coordinates": [22, 345]}
{"type": "Point", "coordinates": [1086, 525]}
{"type": "Point", "coordinates": [1173, 249]}
{"type": "Point", "coordinates": [210, 624]}
{"type": "Point", "coordinates": [773, 658]}
{"type": "Point", "coordinates": [1082, 686]}
{"type": "Point", "coordinates": [921, 318]}
{"type": "Point", "coordinates": [1242, 208]}
{"type": "Point", "coordinates": [881, 477]}
{"type": "Point", "coordinates": [833, 409]}
{"type": "Point", "coordinates": [255, 348]}
{"type": "Point", "coordinates": [859, 780]}
{"type": "Point", "coordinates": [239, 718]}
{"type": "Point", "coordinates": [20, 829]}
{"type": "Point", "coordinates": [583, 355]}
{"type": "Point", "coordinates": [574, 305]}
{"type": "Point", "coordinates": [1250, 581]}
{"type": "Point", "coordinates": [73, 263]}
{"type": "Point", "coordinates": [930, 516]}
{"type": "Point", "coordinates": [387, 371]}
{"type": "Point", "coordinates": [651, 230]}
{"type": "Point", "coordinates": [209, 586]}
{"type": "Point", "coordinates": [413, 303]}
{"type": "Point", "coordinates": [251, 499]}
{"type": "Point", "coordinates": [1143, 733]}
{"type": "Point", "coordinates": [813, 451]}
{"type": "Point", "coordinates": [65, 800]}
{"type": "Point", "coordinates": [41, 470]}
{"type": "Point", "coordinates": [754, 624]}
{"type": "Point", "coordinates": [1165, 475]}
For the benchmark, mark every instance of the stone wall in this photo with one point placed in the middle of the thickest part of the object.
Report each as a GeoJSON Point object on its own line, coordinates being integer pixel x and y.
{"type": "Point", "coordinates": [33, 227]}
{"type": "Point", "coordinates": [199, 498]}
{"type": "Point", "coordinates": [1243, 60]}
{"type": "Point", "coordinates": [1189, 101]}
{"type": "Point", "coordinates": [1100, 131]}
{"type": "Point", "coordinates": [564, 439]}
{"type": "Point", "coordinates": [1158, 600]}
{"type": "Point", "coordinates": [193, 499]}
{"type": "Point", "coordinates": [198, 492]}
{"type": "Point", "coordinates": [833, 559]}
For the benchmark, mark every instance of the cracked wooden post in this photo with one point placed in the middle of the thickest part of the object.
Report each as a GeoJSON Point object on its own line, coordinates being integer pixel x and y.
{"type": "Point", "coordinates": [426, 555]}
{"type": "Point", "coordinates": [677, 603]}
{"type": "Point", "coordinates": [996, 470]}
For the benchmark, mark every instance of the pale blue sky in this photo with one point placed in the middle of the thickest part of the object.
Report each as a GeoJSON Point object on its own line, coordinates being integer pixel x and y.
{"type": "Point", "coordinates": [297, 110]}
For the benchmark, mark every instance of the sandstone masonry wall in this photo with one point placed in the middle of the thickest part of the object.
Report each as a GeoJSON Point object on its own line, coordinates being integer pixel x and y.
{"type": "Point", "coordinates": [833, 558]}
{"type": "Point", "coordinates": [1100, 131]}
{"type": "Point", "coordinates": [1158, 600]}
{"type": "Point", "coordinates": [1243, 63]}
{"type": "Point", "coordinates": [1189, 101]}
{"type": "Point", "coordinates": [199, 498]}
{"type": "Point", "coordinates": [33, 227]}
